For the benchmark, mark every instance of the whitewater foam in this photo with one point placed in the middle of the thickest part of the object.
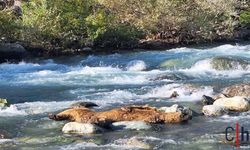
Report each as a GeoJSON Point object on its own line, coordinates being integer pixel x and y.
{"type": "Point", "coordinates": [186, 92]}
{"type": "Point", "coordinates": [136, 65]}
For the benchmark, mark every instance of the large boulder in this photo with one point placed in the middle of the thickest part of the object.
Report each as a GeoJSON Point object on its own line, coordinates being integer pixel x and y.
{"type": "Point", "coordinates": [132, 125]}
{"type": "Point", "coordinates": [12, 52]}
{"type": "Point", "coordinates": [238, 90]}
{"type": "Point", "coordinates": [229, 63]}
{"type": "Point", "coordinates": [213, 110]}
{"type": "Point", "coordinates": [237, 103]}
{"type": "Point", "coordinates": [81, 128]}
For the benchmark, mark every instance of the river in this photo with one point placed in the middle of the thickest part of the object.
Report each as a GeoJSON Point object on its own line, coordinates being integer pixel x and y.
{"type": "Point", "coordinates": [36, 87]}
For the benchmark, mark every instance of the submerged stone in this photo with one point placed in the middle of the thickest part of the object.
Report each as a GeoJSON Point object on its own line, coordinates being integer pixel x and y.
{"type": "Point", "coordinates": [44, 139]}
{"type": "Point", "coordinates": [171, 63]}
{"type": "Point", "coordinates": [81, 128]}
{"type": "Point", "coordinates": [229, 63]}
{"type": "Point", "coordinates": [133, 125]}
{"type": "Point", "coordinates": [166, 77]}
{"type": "Point", "coordinates": [133, 142]}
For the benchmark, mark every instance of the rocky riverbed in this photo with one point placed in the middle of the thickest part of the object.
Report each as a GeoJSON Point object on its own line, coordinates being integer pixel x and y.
{"type": "Point", "coordinates": [159, 79]}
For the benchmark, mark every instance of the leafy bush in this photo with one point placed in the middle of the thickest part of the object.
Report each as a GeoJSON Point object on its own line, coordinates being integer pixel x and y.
{"type": "Point", "coordinates": [10, 26]}
{"type": "Point", "coordinates": [245, 18]}
{"type": "Point", "coordinates": [119, 36]}
{"type": "Point", "coordinates": [118, 23]}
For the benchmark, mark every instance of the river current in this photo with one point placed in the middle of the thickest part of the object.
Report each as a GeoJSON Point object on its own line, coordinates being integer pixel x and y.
{"type": "Point", "coordinates": [36, 87]}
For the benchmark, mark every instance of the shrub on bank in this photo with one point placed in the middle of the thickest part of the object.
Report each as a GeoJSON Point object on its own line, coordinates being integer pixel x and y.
{"type": "Point", "coordinates": [121, 24]}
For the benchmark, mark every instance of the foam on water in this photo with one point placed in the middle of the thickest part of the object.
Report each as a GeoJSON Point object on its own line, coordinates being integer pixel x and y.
{"type": "Point", "coordinates": [243, 116]}
{"type": "Point", "coordinates": [204, 69]}
{"type": "Point", "coordinates": [117, 144]}
{"type": "Point", "coordinates": [12, 111]}
{"type": "Point", "coordinates": [78, 76]}
{"type": "Point", "coordinates": [33, 108]}
{"type": "Point", "coordinates": [186, 92]}
{"type": "Point", "coordinates": [136, 65]}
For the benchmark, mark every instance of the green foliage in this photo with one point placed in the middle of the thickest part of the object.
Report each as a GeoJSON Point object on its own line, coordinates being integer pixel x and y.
{"type": "Point", "coordinates": [72, 24]}
{"type": "Point", "coordinates": [119, 35]}
{"type": "Point", "coordinates": [9, 25]}
{"type": "Point", "coordinates": [245, 18]}
{"type": "Point", "coordinates": [98, 23]}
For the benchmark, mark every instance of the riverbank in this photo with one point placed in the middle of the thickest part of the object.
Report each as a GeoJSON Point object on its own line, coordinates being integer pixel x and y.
{"type": "Point", "coordinates": [56, 28]}
{"type": "Point", "coordinates": [15, 52]}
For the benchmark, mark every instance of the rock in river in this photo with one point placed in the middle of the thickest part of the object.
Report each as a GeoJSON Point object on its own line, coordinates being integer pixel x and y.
{"type": "Point", "coordinates": [177, 108]}
{"type": "Point", "coordinates": [3, 103]}
{"type": "Point", "coordinates": [213, 110]}
{"type": "Point", "coordinates": [206, 100]}
{"type": "Point", "coordinates": [81, 128]}
{"type": "Point", "coordinates": [83, 104]}
{"type": "Point", "coordinates": [238, 90]}
{"type": "Point", "coordinates": [229, 63]}
{"type": "Point", "coordinates": [237, 103]}
{"type": "Point", "coordinates": [133, 125]}
{"type": "Point", "coordinates": [11, 52]}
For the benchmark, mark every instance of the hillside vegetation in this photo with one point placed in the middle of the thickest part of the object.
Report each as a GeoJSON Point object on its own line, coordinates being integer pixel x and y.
{"type": "Point", "coordinates": [123, 24]}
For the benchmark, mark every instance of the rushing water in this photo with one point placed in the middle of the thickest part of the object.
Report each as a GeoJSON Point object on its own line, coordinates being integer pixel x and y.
{"type": "Point", "coordinates": [37, 87]}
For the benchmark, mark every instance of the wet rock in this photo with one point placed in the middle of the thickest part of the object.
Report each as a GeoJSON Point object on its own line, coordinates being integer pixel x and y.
{"type": "Point", "coordinates": [207, 100]}
{"type": "Point", "coordinates": [166, 77]}
{"type": "Point", "coordinates": [187, 112]}
{"type": "Point", "coordinates": [171, 63]}
{"type": "Point", "coordinates": [83, 104]}
{"type": "Point", "coordinates": [81, 128]}
{"type": "Point", "coordinates": [238, 90]}
{"type": "Point", "coordinates": [127, 113]}
{"type": "Point", "coordinates": [132, 125]}
{"type": "Point", "coordinates": [237, 103]}
{"type": "Point", "coordinates": [40, 139]}
{"type": "Point", "coordinates": [12, 52]}
{"type": "Point", "coordinates": [229, 63]}
{"type": "Point", "coordinates": [4, 134]}
{"type": "Point", "coordinates": [174, 95]}
{"type": "Point", "coordinates": [136, 65]}
{"type": "Point", "coordinates": [221, 95]}
{"type": "Point", "coordinates": [133, 142]}
{"type": "Point", "coordinates": [3, 103]}
{"type": "Point", "coordinates": [213, 110]}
